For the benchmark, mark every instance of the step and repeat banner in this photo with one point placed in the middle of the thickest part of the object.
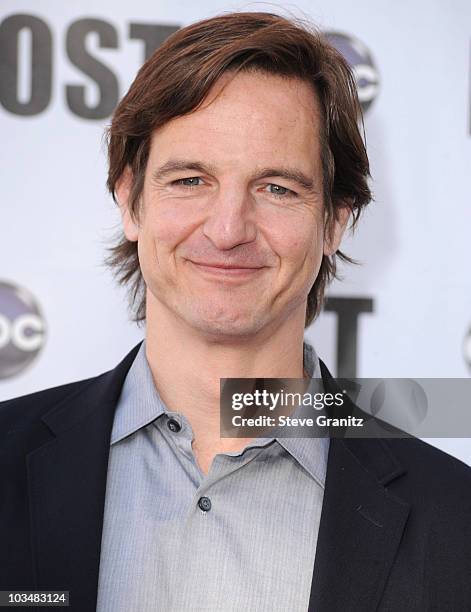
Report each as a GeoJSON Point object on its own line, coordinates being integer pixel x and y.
{"type": "Point", "coordinates": [405, 311]}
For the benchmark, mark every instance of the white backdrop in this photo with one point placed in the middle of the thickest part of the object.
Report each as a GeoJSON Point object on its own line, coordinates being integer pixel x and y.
{"type": "Point", "coordinates": [56, 216]}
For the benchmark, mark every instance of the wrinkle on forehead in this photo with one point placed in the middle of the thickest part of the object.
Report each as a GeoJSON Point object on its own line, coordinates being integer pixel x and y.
{"type": "Point", "coordinates": [229, 96]}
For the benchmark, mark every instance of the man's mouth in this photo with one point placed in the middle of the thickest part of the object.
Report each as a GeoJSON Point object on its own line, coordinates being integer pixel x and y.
{"type": "Point", "coordinates": [223, 269]}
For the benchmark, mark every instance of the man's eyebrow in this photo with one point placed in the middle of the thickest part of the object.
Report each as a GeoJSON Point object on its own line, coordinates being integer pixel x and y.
{"type": "Point", "coordinates": [291, 174]}
{"type": "Point", "coordinates": [176, 165]}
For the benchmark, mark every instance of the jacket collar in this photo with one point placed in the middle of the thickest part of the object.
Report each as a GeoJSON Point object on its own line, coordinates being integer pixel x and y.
{"type": "Point", "coordinates": [66, 487]}
{"type": "Point", "coordinates": [361, 523]}
{"type": "Point", "coordinates": [99, 395]}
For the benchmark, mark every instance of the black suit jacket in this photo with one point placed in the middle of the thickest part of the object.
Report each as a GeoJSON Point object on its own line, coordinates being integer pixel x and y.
{"type": "Point", "coordinates": [395, 530]}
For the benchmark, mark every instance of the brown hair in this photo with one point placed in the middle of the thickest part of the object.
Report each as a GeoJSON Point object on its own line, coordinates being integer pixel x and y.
{"type": "Point", "coordinates": [176, 79]}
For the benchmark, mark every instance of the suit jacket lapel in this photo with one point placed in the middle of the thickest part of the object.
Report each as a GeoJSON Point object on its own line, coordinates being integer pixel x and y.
{"type": "Point", "coordinates": [67, 483]}
{"type": "Point", "coordinates": [361, 525]}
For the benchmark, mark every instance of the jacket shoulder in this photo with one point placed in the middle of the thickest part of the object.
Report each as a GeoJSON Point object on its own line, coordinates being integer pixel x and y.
{"type": "Point", "coordinates": [23, 410]}
{"type": "Point", "coordinates": [432, 473]}
{"type": "Point", "coordinates": [23, 419]}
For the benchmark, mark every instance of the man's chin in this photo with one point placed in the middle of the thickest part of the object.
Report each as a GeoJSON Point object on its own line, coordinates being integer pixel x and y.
{"type": "Point", "coordinates": [227, 327]}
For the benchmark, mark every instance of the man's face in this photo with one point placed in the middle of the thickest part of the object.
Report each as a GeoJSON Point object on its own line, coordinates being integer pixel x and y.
{"type": "Point", "coordinates": [236, 183]}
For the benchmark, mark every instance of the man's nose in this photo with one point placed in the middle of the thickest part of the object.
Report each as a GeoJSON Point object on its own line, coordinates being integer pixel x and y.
{"type": "Point", "coordinates": [230, 221]}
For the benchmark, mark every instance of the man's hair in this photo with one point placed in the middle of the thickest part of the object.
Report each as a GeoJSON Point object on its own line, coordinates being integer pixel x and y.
{"type": "Point", "coordinates": [175, 81]}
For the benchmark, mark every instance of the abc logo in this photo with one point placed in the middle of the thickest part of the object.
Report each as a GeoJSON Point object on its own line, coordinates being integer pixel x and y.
{"type": "Point", "coordinates": [22, 329]}
{"type": "Point", "coordinates": [361, 62]}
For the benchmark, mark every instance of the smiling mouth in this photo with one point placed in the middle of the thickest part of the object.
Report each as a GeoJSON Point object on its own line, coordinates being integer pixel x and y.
{"type": "Point", "coordinates": [226, 270]}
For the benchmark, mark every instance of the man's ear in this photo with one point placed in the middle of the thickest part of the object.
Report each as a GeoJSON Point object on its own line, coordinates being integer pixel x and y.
{"type": "Point", "coordinates": [122, 194]}
{"type": "Point", "coordinates": [334, 233]}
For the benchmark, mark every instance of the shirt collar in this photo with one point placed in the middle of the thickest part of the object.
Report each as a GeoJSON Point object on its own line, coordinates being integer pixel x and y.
{"type": "Point", "coordinates": [140, 404]}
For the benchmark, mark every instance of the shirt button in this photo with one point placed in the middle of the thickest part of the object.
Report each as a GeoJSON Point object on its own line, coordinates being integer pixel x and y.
{"type": "Point", "coordinates": [173, 425]}
{"type": "Point", "coordinates": [204, 503]}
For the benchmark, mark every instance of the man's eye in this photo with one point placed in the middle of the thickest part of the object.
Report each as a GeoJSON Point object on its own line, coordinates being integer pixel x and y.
{"type": "Point", "coordinates": [279, 191]}
{"type": "Point", "coordinates": [192, 181]}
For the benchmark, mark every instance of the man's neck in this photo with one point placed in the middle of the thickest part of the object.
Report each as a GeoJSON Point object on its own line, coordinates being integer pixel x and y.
{"type": "Point", "coordinates": [187, 366]}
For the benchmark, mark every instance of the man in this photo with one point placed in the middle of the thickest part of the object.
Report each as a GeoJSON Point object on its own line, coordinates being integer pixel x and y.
{"type": "Point", "coordinates": [236, 161]}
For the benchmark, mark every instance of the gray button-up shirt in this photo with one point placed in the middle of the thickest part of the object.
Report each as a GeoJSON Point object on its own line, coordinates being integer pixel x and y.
{"type": "Point", "coordinates": [242, 537]}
